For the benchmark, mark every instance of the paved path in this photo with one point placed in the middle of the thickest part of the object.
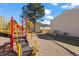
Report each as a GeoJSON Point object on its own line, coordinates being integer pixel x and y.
{"type": "Point", "coordinates": [49, 48]}
{"type": "Point", "coordinates": [72, 48]}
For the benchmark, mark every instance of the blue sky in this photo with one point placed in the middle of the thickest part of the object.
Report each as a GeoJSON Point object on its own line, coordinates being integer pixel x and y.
{"type": "Point", "coordinates": [51, 10]}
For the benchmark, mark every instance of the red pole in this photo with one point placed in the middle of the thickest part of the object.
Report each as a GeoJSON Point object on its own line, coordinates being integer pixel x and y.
{"type": "Point", "coordinates": [22, 27]}
{"type": "Point", "coordinates": [12, 34]}
{"type": "Point", "coordinates": [26, 26]}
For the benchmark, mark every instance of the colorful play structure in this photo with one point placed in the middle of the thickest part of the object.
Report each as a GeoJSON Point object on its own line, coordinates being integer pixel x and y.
{"type": "Point", "coordinates": [18, 40]}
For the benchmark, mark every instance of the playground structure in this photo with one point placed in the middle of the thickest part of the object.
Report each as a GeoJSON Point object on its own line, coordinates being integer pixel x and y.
{"type": "Point", "coordinates": [19, 39]}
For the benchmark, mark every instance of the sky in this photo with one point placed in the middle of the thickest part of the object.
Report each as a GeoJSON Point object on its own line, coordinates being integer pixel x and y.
{"type": "Point", "coordinates": [51, 10]}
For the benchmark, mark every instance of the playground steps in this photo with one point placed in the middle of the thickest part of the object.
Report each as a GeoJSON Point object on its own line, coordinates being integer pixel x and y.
{"type": "Point", "coordinates": [26, 50]}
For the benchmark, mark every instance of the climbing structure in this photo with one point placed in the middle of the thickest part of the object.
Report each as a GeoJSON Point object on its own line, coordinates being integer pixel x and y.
{"type": "Point", "coordinates": [20, 40]}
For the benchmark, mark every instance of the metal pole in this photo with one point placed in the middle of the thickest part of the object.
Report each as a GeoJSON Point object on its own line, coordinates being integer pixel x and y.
{"type": "Point", "coordinates": [22, 27]}
{"type": "Point", "coordinates": [12, 34]}
{"type": "Point", "coordinates": [26, 26]}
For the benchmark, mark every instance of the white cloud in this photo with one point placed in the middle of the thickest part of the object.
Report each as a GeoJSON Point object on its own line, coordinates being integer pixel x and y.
{"type": "Point", "coordinates": [47, 11]}
{"type": "Point", "coordinates": [49, 17]}
{"type": "Point", "coordinates": [46, 22]}
{"type": "Point", "coordinates": [69, 6]}
{"type": "Point", "coordinates": [55, 4]}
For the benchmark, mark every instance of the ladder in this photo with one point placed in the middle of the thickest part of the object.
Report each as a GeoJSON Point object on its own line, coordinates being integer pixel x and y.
{"type": "Point", "coordinates": [23, 47]}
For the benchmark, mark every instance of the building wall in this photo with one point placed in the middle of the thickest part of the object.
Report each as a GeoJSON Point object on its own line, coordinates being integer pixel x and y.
{"type": "Point", "coordinates": [37, 28]}
{"type": "Point", "coordinates": [67, 22]}
{"type": "Point", "coordinates": [1, 23]}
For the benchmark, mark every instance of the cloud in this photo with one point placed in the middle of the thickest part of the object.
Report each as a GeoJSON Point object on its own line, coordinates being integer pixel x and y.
{"type": "Point", "coordinates": [55, 4]}
{"type": "Point", "coordinates": [70, 6]}
{"type": "Point", "coordinates": [46, 22]}
{"type": "Point", "coordinates": [47, 11]}
{"type": "Point", "coordinates": [49, 17]}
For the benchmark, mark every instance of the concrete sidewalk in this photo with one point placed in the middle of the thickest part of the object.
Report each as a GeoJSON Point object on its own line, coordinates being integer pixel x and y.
{"type": "Point", "coordinates": [72, 48]}
{"type": "Point", "coordinates": [49, 48]}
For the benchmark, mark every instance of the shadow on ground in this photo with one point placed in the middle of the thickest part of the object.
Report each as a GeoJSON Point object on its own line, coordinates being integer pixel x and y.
{"type": "Point", "coordinates": [66, 39]}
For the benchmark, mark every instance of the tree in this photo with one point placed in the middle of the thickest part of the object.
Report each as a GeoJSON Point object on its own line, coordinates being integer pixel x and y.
{"type": "Point", "coordinates": [33, 11]}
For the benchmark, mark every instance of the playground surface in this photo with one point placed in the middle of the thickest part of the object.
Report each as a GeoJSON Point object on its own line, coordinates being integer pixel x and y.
{"type": "Point", "coordinates": [72, 49]}
{"type": "Point", "coordinates": [3, 40]}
